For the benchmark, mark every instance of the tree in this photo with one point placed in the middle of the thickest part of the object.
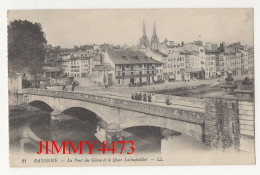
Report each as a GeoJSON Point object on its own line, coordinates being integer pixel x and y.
{"type": "Point", "coordinates": [26, 42]}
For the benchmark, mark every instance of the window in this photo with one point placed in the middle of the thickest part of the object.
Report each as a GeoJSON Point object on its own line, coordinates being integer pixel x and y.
{"type": "Point", "coordinates": [233, 128]}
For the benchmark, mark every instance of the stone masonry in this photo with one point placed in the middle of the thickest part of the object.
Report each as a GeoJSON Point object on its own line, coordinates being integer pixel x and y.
{"type": "Point", "coordinates": [221, 124]}
{"type": "Point", "coordinates": [247, 126]}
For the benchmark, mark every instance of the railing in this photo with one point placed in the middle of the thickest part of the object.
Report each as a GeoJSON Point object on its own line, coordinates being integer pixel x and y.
{"type": "Point", "coordinates": [178, 112]}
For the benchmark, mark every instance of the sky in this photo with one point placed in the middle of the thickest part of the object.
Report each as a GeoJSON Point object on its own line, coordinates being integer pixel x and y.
{"type": "Point", "coordinates": [67, 28]}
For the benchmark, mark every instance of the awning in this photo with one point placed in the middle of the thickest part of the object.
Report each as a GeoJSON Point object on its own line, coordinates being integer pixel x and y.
{"type": "Point", "coordinates": [230, 72]}
{"type": "Point", "coordinates": [218, 73]}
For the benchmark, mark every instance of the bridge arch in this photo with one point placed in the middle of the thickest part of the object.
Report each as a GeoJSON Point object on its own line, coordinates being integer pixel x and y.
{"type": "Point", "coordinates": [87, 107]}
{"type": "Point", "coordinates": [58, 104]}
{"type": "Point", "coordinates": [81, 113]}
{"type": "Point", "coordinates": [189, 129]}
{"type": "Point", "coordinates": [41, 105]}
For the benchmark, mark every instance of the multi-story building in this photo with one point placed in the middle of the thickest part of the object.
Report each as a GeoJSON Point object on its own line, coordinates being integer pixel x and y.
{"type": "Point", "coordinates": [96, 60]}
{"type": "Point", "coordinates": [181, 73]}
{"type": "Point", "coordinates": [77, 66]}
{"type": "Point", "coordinates": [161, 57]}
{"type": "Point", "coordinates": [167, 45]}
{"type": "Point", "coordinates": [250, 61]}
{"type": "Point", "coordinates": [192, 64]}
{"type": "Point", "coordinates": [202, 58]}
{"type": "Point", "coordinates": [220, 64]}
{"type": "Point", "coordinates": [238, 59]}
{"type": "Point", "coordinates": [175, 64]}
{"type": "Point", "coordinates": [229, 61]}
{"type": "Point", "coordinates": [195, 60]}
{"type": "Point", "coordinates": [210, 64]}
{"type": "Point", "coordinates": [52, 72]}
{"type": "Point", "coordinates": [244, 62]}
{"type": "Point", "coordinates": [131, 67]}
{"type": "Point", "coordinates": [211, 46]}
{"type": "Point", "coordinates": [238, 65]}
{"type": "Point", "coordinates": [103, 74]}
{"type": "Point", "coordinates": [77, 63]}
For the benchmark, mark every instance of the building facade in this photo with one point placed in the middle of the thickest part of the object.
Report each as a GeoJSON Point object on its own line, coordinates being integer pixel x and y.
{"type": "Point", "coordinates": [132, 67]}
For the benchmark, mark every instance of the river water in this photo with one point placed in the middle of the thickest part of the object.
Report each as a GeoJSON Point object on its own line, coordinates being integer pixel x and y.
{"type": "Point", "coordinates": [146, 139]}
{"type": "Point", "coordinates": [84, 127]}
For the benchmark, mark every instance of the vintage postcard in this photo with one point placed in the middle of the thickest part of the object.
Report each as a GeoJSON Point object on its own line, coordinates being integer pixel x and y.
{"type": "Point", "coordinates": [131, 87]}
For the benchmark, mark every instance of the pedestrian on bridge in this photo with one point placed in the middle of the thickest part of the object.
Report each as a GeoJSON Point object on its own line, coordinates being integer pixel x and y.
{"type": "Point", "coordinates": [149, 98]}
{"type": "Point", "coordinates": [64, 87]}
{"type": "Point", "coordinates": [144, 97]}
{"type": "Point", "coordinates": [168, 102]}
{"type": "Point", "coordinates": [136, 96]}
{"type": "Point", "coordinates": [153, 98]}
{"type": "Point", "coordinates": [140, 97]}
{"type": "Point", "coordinates": [73, 86]}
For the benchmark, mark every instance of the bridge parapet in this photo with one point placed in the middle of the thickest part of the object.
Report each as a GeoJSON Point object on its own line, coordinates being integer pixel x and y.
{"type": "Point", "coordinates": [187, 101]}
{"type": "Point", "coordinates": [176, 112]}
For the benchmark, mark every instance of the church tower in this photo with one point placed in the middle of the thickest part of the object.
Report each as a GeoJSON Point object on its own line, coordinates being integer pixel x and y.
{"type": "Point", "coordinates": [143, 42]}
{"type": "Point", "coordinates": [154, 40]}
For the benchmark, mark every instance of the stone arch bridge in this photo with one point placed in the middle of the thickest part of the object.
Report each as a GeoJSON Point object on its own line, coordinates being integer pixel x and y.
{"type": "Point", "coordinates": [201, 121]}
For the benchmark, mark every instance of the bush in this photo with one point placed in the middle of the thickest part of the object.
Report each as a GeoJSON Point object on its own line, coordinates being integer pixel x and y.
{"type": "Point", "coordinates": [247, 81]}
{"type": "Point", "coordinates": [229, 79]}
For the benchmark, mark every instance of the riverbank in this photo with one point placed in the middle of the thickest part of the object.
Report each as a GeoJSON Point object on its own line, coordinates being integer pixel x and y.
{"type": "Point", "coordinates": [193, 91]}
{"type": "Point", "coordinates": [19, 114]}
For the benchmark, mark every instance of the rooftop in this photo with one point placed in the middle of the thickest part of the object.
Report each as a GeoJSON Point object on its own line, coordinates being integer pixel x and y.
{"type": "Point", "coordinates": [212, 51]}
{"type": "Point", "coordinates": [79, 58]}
{"type": "Point", "coordinates": [187, 52]}
{"type": "Point", "coordinates": [52, 69]}
{"type": "Point", "coordinates": [131, 57]}
{"type": "Point", "coordinates": [105, 66]}
{"type": "Point", "coordinates": [160, 53]}
{"type": "Point", "coordinates": [96, 57]}
{"type": "Point", "coordinates": [229, 53]}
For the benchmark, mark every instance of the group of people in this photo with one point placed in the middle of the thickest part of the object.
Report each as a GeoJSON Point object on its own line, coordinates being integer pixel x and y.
{"type": "Point", "coordinates": [147, 97]}
{"type": "Point", "coordinates": [64, 86]}
{"type": "Point", "coordinates": [186, 80]}
{"type": "Point", "coordinates": [143, 97]}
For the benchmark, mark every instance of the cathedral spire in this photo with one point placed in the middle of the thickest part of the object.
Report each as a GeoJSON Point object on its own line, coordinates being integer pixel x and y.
{"type": "Point", "coordinates": [144, 31]}
{"type": "Point", "coordinates": [154, 39]}
{"type": "Point", "coordinates": [154, 29]}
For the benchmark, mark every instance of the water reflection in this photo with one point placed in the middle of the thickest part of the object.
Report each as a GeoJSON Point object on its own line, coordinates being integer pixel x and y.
{"type": "Point", "coordinates": [146, 139]}
{"type": "Point", "coordinates": [178, 143]}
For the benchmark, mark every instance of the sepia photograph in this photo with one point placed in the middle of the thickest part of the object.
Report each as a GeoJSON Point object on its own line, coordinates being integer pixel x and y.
{"type": "Point", "coordinates": [131, 87]}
